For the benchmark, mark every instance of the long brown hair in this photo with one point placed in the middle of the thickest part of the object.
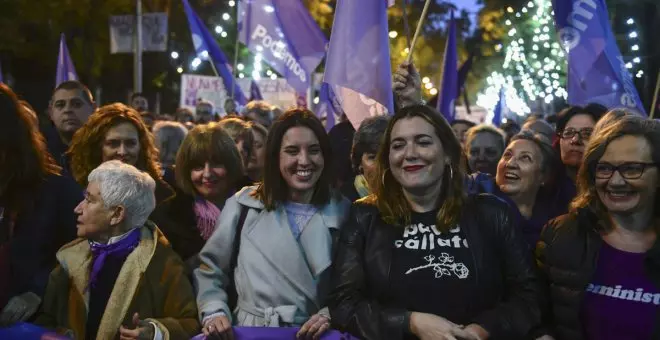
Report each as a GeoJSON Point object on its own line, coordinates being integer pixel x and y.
{"type": "Point", "coordinates": [23, 154]}
{"type": "Point", "coordinates": [274, 190]}
{"type": "Point", "coordinates": [388, 193]}
{"type": "Point", "coordinates": [86, 145]}
{"type": "Point", "coordinates": [628, 125]}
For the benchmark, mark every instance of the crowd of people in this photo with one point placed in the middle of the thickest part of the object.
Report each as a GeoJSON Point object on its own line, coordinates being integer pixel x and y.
{"type": "Point", "coordinates": [117, 223]}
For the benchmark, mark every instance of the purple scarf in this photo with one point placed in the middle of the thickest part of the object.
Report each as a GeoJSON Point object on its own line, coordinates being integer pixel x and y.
{"type": "Point", "coordinates": [207, 215]}
{"type": "Point", "coordinates": [100, 252]}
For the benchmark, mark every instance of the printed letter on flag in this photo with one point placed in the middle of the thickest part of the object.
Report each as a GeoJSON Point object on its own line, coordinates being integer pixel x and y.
{"type": "Point", "coordinates": [286, 35]}
{"type": "Point", "coordinates": [596, 70]}
{"type": "Point", "coordinates": [358, 63]}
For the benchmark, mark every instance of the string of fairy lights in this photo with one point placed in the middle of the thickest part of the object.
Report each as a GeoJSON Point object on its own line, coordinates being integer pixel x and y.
{"type": "Point", "coordinates": [257, 61]}
{"type": "Point", "coordinates": [634, 64]}
{"type": "Point", "coordinates": [534, 63]}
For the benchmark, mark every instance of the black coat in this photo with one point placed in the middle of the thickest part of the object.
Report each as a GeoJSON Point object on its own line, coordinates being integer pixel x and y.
{"type": "Point", "coordinates": [175, 217]}
{"type": "Point", "coordinates": [506, 305]}
{"type": "Point", "coordinates": [40, 229]}
{"type": "Point", "coordinates": [567, 254]}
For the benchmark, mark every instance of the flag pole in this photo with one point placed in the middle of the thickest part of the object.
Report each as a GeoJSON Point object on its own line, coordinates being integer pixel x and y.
{"type": "Point", "coordinates": [215, 70]}
{"type": "Point", "coordinates": [137, 57]}
{"type": "Point", "coordinates": [418, 30]}
{"type": "Point", "coordinates": [406, 24]}
{"type": "Point", "coordinates": [233, 70]}
{"type": "Point", "coordinates": [655, 96]}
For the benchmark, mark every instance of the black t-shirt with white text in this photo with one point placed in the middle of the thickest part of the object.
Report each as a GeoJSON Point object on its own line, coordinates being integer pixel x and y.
{"type": "Point", "coordinates": [432, 271]}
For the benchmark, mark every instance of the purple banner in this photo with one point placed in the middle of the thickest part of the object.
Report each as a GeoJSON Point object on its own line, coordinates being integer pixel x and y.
{"type": "Point", "coordinates": [286, 35]}
{"type": "Point", "coordinates": [207, 47]}
{"type": "Point", "coordinates": [358, 64]}
{"type": "Point", "coordinates": [272, 333]}
{"type": "Point", "coordinates": [597, 72]}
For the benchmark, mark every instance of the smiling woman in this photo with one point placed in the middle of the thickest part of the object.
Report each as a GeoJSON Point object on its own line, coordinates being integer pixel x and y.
{"type": "Point", "coordinates": [418, 258]}
{"type": "Point", "coordinates": [609, 239]}
{"type": "Point", "coordinates": [276, 239]}
{"type": "Point", "coordinates": [208, 169]}
{"type": "Point", "coordinates": [116, 132]}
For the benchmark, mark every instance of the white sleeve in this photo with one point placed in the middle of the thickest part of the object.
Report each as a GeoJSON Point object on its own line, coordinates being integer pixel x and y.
{"type": "Point", "coordinates": [211, 316]}
{"type": "Point", "coordinates": [211, 278]}
{"type": "Point", "coordinates": [158, 334]}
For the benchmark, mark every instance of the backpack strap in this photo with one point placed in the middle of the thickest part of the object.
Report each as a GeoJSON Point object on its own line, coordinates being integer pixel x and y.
{"type": "Point", "coordinates": [237, 238]}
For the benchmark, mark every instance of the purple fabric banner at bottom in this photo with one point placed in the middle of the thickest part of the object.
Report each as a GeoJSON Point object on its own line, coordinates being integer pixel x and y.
{"type": "Point", "coordinates": [26, 331]}
{"type": "Point", "coordinates": [272, 333]}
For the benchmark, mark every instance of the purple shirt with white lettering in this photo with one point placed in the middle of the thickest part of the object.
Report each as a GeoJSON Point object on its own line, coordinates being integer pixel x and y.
{"type": "Point", "coordinates": [620, 302]}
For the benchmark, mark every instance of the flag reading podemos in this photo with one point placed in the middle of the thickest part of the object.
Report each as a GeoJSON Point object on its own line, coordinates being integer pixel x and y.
{"type": "Point", "coordinates": [596, 70]}
{"type": "Point", "coordinates": [358, 63]}
{"type": "Point", "coordinates": [65, 69]}
{"type": "Point", "coordinates": [207, 47]}
{"type": "Point", "coordinates": [286, 36]}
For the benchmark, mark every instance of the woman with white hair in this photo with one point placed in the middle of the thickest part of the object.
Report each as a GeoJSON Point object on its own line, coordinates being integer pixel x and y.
{"type": "Point", "coordinates": [120, 278]}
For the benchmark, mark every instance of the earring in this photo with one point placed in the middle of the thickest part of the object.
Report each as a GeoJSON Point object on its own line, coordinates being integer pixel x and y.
{"type": "Point", "coordinates": [383, 179]}
{"type": "Point", "coordinates": [451, 172]}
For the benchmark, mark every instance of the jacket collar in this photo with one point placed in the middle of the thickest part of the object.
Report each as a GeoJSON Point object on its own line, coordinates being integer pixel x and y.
{"type": "Point", "coordinates": [76, 259]}
{"type": "Point", "coordinates": [274, 240]}
{"type": "Point", "coordinates": [329, 212]}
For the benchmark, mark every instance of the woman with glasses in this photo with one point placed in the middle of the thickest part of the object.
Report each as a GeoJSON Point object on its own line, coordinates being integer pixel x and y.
{"type": "Point", "coordinates": [601, 262]}
{"type": "Point", "coordinates": [574, 128]}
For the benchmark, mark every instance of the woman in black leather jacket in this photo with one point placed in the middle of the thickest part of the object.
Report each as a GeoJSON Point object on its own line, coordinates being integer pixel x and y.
{"type": "Point", "coordinates": [419, 258]}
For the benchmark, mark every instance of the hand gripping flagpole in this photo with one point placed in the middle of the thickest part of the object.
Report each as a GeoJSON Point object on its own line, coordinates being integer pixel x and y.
{"type": "Point", "coordinates": [418, 30]}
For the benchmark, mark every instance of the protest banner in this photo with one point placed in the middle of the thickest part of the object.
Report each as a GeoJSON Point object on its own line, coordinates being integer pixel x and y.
{"type": "Point", "coordinates": [154, 33]}
{"type": "Point", "coordinates": [195, 87]}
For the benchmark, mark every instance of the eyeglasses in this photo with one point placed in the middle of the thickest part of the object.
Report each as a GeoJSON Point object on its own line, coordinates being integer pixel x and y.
{"type": "Point", "coordinates": [629, 170]}
{"type": "Point", "coordinates": [584, 134]}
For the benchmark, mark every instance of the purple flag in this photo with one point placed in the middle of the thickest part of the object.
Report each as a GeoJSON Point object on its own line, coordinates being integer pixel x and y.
{"type": "Point", "coordinates": [449, 91]}
{"type": "Point", "coordinates": [255, 93]}
{"type": "Point", "coordinates": [277, 333]}
{"type": "Point", "coordinates": [207, 47]}
{"type": "Point", "coordinates": [358, 63]}
{"type": "Point", "coordinates": [500, 109]}
{"type": "Point", "coordinates": [65, 69]}
{"type": "Point", "coordinates": [286, 35]}
{"type": "Point", "coordinates": [328, 106]}
{"type": "Point", "coordinates": [596, 70]}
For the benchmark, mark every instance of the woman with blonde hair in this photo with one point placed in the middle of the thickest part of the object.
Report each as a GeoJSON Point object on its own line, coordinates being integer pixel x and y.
{"type": "Point", "coordinates": [601, 261]}
{"type": "Point", "coordinates": [419, 257]}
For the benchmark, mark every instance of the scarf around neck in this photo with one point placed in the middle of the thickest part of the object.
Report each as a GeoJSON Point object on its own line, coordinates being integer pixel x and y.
{"type": "Point", "coordinates": [207, 215]}
{"type": "Point", "coordinates": [100, 252]}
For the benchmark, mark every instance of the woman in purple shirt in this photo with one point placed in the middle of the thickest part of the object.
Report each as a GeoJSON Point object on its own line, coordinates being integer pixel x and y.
{"type": "Point", "coordinates": [602, 260]}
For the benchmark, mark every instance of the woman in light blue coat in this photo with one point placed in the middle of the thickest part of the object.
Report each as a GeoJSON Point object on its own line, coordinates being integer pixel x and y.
{"type": "Point", "coordinates": [287, 226]}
